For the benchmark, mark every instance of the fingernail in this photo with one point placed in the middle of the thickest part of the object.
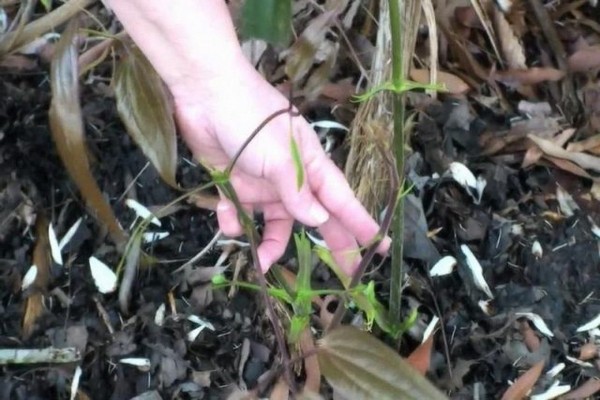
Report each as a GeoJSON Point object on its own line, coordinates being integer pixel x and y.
{"type": "Point", "coordinates": [318, 214]}
{"type": "Point", "coordinates": [385, 245]}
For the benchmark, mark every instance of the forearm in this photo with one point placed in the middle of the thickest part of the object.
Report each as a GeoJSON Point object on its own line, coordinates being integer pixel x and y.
{"type": "Point", "coordinates": [183, 39]}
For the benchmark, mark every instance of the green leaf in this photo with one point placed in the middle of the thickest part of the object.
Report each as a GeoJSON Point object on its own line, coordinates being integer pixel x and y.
{"type": "Point", "coordinates": [219, 280]}
{"type": "Point", "coordinates": [47, 5]}
{"type": "Point", "coordinates": [66, 126]}
{"type": "Point", "coordinates": [297, 326]}
{"type": "Point", "coordinates": [270, 20]}
{"type": "Point", "coordinates": [144, 108]}
{"type": "Point", "coordinates": [325, 256]}
{"type": "Point", "coordinates": [304, 261]}
{"type": "Point", "coordinates": [297, 159]}
{"type": "Point", "coordinates": [359, 366]}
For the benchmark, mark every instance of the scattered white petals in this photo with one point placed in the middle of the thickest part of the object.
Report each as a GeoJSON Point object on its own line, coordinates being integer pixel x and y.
{"type": "Point", "coordinates": [143, 364]}
{"type": "Point", "coordinates": [552, 372]}
{"type": "Point", "coordinates": [566, 202]}
{"type": "Point", "coordinates": [444, 266]}
{"type": "Point", "coordinates": [150, 237]}
{"type": "Point", "coordinates": [142, 212]}
{"type": "Point", "coordinates": [54, 248]}
{"type": "Point", "coordinates": [480, 186]}
{"type": "Point", "coordinates": [75, 382]}
{"type": "Point", "coordinates": [594, 333]}
{"type": "Point", "coordinates": [327, 124]}
{"type": "Point", "coordinates": [199, 321]}
{"type": "Point", "coordinates": [69, 235]}
{"type": "Point", "coordinates": [36, 45]}
{"type": "Point", "coordinates": [594, 323]}
{"type": "Point", "coordinates": [430, 328]}
{"type": "Point", "coordinates": [538, 322]}
{"type": "Point", "coordinates": [476, 270]}
{"type": "Point", "coordinates": [159, 317]}
{"type": "Point", "coordinates": [536, 249]}
{"type": "Point", "coordinates": [317, 241]}
{"type": "Point", "coordinates": [225, 242]}
{"type": "Point", "coordinates": [462, 175]}
{"type": "Point", "coordinates": [104, 277]}
{"type": "Point", "coordinates": [553, 392]}
{"type": "Point", "coordinates": [484, 305]}
{"type": "Point", "coordinates": [504, 5]}
{"type": "Point", "coordinates": [29, 277]}
{"type": "Point", "coordinates": [583, 364]}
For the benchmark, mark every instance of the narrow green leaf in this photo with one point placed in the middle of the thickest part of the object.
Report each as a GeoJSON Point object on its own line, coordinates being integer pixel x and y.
{"type": "Point", "coordinates": [270, 20]}
{"type": "Point", "coordinates": [304, 261]}
{"type": "Point", "coordinates": [66, 126]}
{"type": "Point", "coordinates": [297, 159]}
{"type": "Point", "coordinates": [359, 366]}
{"type": "Point", "coordinates": [144, 108]}
{"type": "Point", "coordinates": [47, 5]}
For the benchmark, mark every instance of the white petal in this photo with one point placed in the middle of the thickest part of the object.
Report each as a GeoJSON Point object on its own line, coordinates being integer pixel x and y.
{"type": "Point", "coordinates": [3, 20]}
{"type": "Point", "coordinates": [75, 382]}
{"type": "Point", "coordinates": [505, 5]}
{"type": "Point", "coordinates": [553, 392]}
{"type": "Point", "coordinates": [594, 323]}
{"type": "Point", "coordinates": [566, 202]}
{"type": "Point", "coordinates": [193, 334]}
{"type": "Point", "coordinates": [595, 228]}
{"type": "Point", "coordinates": [430, 328]}
{"type": "Point", "coordinates": [516, 229]}
{"type": "Point", "coordinates": [142, 212]}
{"type": "Point", "coordinates": [54, 248]}
{"type": "Point", "coordinates": [484, 305]}
{"type": "Point", "coordinates": [462, 175]}
{"type": "Point", "coordinates": [538, 322]}
{"type": "Point", "coordinates": [480, 186]}
{"type": "Point", "coordinates": [143, 364]}
{"type": "Point", "coordinates": [150, 237]}
{"type": "Point", "coordinates": [159, 317]}
{"type": "Point", "coordinates": [476, 270]}
{"type": "Point", "coordinates": [555, 370]}
{"type": "Point", "coordinates": [444, 266]}
{"type": "Point", "coordinates": [584, 364]}
{"type": "Point", "coordinates": [327, 124]}
{"type": "Point", "coordinates": [29, 277]}
{"type": "Point", "coordinates": [536, 249]}
{"type": "Point", "coordinates": [317, 241]}
{"type": "Point", "coordinates": [69, 235]}
{"type": "Point", "coordinates": [199, 321]}
{"type": "Point", "coordinates": [104, 277]}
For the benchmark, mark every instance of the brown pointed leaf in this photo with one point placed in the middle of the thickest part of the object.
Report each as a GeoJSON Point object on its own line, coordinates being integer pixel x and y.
{"type": "Point", "coordinates": [420, 358]}
{"type": "Point", "coordinates": [144, 108]}
{"type": "Point", "coordinates": [359, 366]}
{"type": "Point", "coordinates": [510, 45]}
{"type": "Point", "coordinates": [523, 385]}
{"type": "Point", "coordinates": [584, 391]}
{"type": "Point", "coordinates": [530, 76]}
{"type": "Point", "coordinates": [66, 125]}
{"type": "Point", "coordinates": [453, 84]}
{"type": "Point", "coordinates": [582, 159]}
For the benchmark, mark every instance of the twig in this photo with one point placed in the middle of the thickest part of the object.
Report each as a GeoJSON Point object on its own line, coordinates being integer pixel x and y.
{"type": "Point", "coordinates": [198, 256]}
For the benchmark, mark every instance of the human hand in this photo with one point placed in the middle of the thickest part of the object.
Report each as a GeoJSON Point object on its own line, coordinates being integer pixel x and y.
{"type": "Point", "coordinates": [215, 117]}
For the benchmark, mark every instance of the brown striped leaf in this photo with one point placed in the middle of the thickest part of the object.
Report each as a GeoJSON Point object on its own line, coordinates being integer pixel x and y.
{"type": "Point", "coordinates": [144, 108]}
{"type": "Point", "coordinates": [359, 366]}
{"type": "Point", "coordinates": [66, 125]}
{"type": "Point", "coordinates": [524, 384]}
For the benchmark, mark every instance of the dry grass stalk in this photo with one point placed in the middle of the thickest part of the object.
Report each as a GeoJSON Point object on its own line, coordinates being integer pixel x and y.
{"type": "Point", "coordinates": [372, 127]}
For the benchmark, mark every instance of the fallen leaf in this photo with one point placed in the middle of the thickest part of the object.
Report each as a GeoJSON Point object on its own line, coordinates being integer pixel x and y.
{"type": "Point", "coordinates": [510, 45]}
{"type": "Point", "coordinates": [524, 384]}
{"type": "Point", "coordinates": [585, 390]}
{"type": "Point", "coordinates": [586, 144]}
{"type": "Point", "coordinates": [420, 358]}
{"type": "Point", "coordinates": [359, 366]}
{"type": "Point", "coordinates": [453, 84]}
{"type": "Point", "coordinates": [530, 76]}
{"type": "Point", "coordinates": [144, 108]}
{"type": "Point", "coordinates": [585, 59]}
{"type": "Point", "coordinates": [583, 160]}
{"type": "Point", "coordinates": [66, 125]}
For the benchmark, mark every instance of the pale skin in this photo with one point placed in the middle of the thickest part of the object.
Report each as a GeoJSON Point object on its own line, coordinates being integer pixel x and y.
{"type": "Point", "coordinates": [219, 100]}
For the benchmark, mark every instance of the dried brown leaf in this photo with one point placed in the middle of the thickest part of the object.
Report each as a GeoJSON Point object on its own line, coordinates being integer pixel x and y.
{"type": "Point", "coordinates": [534, 153]}
{"type": "Point", "coordinates": [311, 364]}
{"type": "Point", "coordinates": [511, 47]}
{"type": "Point", "coordinates": [420, 358]}
{"type": "Point", "coordinates": [584, 391]}
{"type": "Point", "coordinates": [524, 384]}
{"type": "Point", "coordinates": [66, 125]}
{"type": "Point", "coordinates": [531, 76]}
{"type": "Point", "coordinates": [568, 166]}
{"type": "Point", "coordinates": [359, 366]}
{"type": "Point", "coordinates": [303, 52]}
{"type": "Point", "coordinates": [588, 351]}
{"type": "Point", "coordinates": [145, 110]}
{"type": "Point", "coordinates": [453, 83]}
{"type": "Point", "coordinates": [466, 16]}
{"type": "Point", "coordinates": [583, 160]}
{"type": "Point", "coordinates": [532, 341]}
{"type": "Point", "coordinates": [586, 144]}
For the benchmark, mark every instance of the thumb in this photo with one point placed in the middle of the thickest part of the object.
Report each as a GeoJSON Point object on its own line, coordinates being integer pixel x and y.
{"type": "Point", "coordinates": [299, 202]}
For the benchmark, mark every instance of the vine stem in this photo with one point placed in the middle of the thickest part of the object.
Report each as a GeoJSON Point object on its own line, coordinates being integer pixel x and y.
{"type": "Point", "coordinates": [398, 143]}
